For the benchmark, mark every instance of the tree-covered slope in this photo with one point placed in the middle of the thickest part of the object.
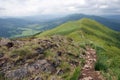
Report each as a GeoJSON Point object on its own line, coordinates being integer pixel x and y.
{"type": "Point", "coordinates": [104, 40]}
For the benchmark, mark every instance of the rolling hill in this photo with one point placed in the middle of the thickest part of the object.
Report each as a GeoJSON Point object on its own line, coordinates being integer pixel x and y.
{"type": "Point", "coordinates": [103, 39]}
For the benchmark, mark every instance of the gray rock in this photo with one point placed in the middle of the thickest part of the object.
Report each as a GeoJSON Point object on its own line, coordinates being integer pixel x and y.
{"type": "Point", "coordinates": [34, 68]}
{"type": "Point", "coordinates": [17, 74]}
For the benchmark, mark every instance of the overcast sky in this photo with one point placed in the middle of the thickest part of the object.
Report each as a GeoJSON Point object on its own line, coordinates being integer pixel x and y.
{"type": "Point", "coordinates": [18, 8]}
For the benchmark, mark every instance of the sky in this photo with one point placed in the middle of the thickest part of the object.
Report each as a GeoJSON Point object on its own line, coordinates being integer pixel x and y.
{"type": "Point", "coordinates": [20, 8]}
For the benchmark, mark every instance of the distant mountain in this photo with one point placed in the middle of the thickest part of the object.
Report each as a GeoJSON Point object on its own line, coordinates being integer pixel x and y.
{"type": "Point", "coordinates": [42, 18]}
{"type": "Point", "coordinates": [89, 32]}
{"type": "Point", "coordinates": [114, 17]}
{"type": "Point", "coordinates": [115, 25]}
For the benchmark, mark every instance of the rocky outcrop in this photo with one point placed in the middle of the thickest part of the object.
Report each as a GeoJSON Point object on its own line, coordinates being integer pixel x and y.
{"type": "Point", "coordinates": [35, 68]}
{"type": "Point", "coordinates": [38, 59]}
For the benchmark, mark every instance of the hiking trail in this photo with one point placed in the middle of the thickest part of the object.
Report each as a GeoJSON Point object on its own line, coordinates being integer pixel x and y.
{"type": "Point", "coordinates": [88, 70]}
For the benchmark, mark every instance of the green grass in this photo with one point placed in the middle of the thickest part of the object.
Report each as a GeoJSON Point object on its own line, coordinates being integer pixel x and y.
{"type": "Point", "coordinates": [76, 74]}
{"type": "Point", "coordinates": [105, 41]}
{"type": "Point", "coordinates": [101, 64]}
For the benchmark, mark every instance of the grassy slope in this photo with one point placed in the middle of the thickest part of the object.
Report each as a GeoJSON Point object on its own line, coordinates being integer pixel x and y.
{"type": "Point", "coordinates": [105, 40]}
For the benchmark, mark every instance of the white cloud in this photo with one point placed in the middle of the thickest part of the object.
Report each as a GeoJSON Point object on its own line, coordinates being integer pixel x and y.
{"type": "Point", "coordinates": [38, 7]}
{"type": "Point", "coordinates": [103, 6]}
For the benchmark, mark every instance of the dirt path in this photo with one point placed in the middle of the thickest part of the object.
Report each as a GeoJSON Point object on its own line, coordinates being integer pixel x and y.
{"type": "Point", "coordinates": [88, 71]}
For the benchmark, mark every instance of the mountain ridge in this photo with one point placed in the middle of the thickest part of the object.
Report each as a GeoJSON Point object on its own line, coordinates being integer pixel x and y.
{"type": "Point", "coordinates": [103, 39]}
{"type": "Point", "coordinates": [101, 19]}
